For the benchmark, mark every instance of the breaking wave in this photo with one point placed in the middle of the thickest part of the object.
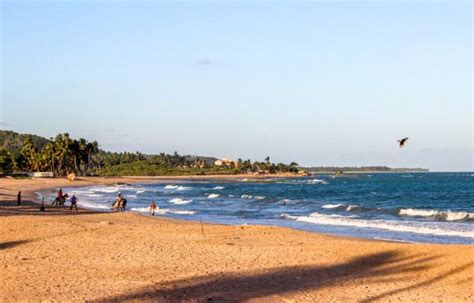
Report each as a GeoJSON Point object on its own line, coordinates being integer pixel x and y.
{"type": "Point", "coordinates": [411, 227]}
{"type": "Point", "coordinates": [437, 214]}
{"type": "Point", "coordinates": [163, 211]}
{"type": "Point", "coordinates": [349, 207]}
{"type": "Point", "coordinates": [179, 201]}
{"type": "Point", "coordinates": [250, 197]}
{"type": "Point", "coordinates": [440, 215]}
{"type": "Point", "coordinates": [176, 187]}
{"type": "Point", "coordinates": [331, 206]}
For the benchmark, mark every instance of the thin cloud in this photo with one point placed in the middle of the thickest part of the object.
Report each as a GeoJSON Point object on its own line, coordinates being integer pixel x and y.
{"type": "Point", "coordinates": [5, 124]}
{"type": "Point", "coordinates": [205, 61]}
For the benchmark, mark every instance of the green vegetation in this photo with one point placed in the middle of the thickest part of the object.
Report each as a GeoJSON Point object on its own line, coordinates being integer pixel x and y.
{"type": "Point", "coordinates": [63, 155]}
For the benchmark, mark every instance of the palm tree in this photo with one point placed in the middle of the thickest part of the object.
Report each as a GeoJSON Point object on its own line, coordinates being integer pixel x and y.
{"type": "Point", "coordinates": [28, 150]}
{"type": "Point", "coordinates": [92, 148]}
{"type": "Point", "coordinates": [63, 153]}
{"type": "Point", "coordinates": [47, 155]}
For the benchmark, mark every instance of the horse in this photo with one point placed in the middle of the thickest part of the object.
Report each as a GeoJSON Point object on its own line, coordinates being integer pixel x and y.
{"type": "Point", "coordinates": [59, 201]}
{"type": "Point", "coordinates": [118, 204]}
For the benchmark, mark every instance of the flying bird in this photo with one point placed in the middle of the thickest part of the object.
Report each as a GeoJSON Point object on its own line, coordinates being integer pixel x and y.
{"type": "Point", "coordinates": [402, 142]}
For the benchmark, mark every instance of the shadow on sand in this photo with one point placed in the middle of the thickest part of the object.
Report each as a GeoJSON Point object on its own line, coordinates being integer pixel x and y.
{"type": "Point", "coordinates": [30, 208]}
{"type": "Point", "coordinates": [383, 267]}
{"type": "Point", "coordinates": [11, 244]}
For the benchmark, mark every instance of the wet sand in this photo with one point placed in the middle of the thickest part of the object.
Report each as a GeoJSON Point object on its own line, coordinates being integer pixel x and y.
{"type": "Point", "coordinates": [100, 257]}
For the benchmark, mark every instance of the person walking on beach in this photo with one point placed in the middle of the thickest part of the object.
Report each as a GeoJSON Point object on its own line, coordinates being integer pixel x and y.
{"type": "Point", "coordinates": [18, 201]}
{"type": "Point", "coordinates": [73, 202]}
{"type": "Point", "coordinates": [42, 208]}
{"type": "Point", "coordinates": [153, 208]}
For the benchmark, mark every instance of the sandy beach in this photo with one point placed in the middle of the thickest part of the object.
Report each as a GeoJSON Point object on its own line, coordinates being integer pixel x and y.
{"type": "Point", "coordinates": [100, 257]}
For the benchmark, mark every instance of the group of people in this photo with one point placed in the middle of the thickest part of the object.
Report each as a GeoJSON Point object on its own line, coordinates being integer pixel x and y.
{"type": "Point", "coordinates": [119, 204]}
{"type": "Point", "coordinates": [61, 198]}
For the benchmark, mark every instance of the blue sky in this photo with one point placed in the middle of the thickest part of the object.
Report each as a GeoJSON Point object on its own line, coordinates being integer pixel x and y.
{"type": "Point", "coordinates": [320, 83]}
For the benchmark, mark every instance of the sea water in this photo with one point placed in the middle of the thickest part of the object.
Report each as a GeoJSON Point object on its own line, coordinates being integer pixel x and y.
{"type": "Point", "coordinates": [409, 207]}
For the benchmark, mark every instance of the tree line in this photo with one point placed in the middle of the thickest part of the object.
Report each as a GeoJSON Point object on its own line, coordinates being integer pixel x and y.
{"type": "Point", "coordinates": [63, 155]}
{"type": "Point", "coordinates": [60, 155]}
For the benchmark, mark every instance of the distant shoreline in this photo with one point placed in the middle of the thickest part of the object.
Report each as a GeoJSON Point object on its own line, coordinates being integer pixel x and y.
{"type": "Point", "coordinates": [370, 172]}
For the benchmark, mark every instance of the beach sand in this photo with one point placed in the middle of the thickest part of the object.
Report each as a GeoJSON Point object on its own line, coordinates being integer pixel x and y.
{"type": "Point", "coordinates": [98, 257]}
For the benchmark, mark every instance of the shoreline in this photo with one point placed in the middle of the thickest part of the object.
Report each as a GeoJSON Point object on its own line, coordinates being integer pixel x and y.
{"type": "Point", "coordinates": [107, 256]}
{"type": "Point", "coordinates": [32, 194]}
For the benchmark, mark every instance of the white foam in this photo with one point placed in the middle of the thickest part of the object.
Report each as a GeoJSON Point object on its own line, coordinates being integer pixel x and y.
{"type": "Point", "coordinates": [412, 227]}
{"type": "Point", "coordinates": [88, 195]}
{"type": "Point", "coordinates": [349, 207]}
{"type": "Point", "coordinates": [182, 212]}
{"type": "Point", "coordinates": [316, 181]}
{"type": "Point", "coordinates": [331, 206]}
{"type": "Point", "coordinates": [417, 212]}
{"type": "Point", "coordinates": [163, 211]}
{"type": "Point", "coordinates": [352, 207]}
{"type": "Point", "coordinates": [219, 187]}
{"type": "Point", "coordinates": [311, 181]}
{"type": "Point", "coordinates": [442, 215]}
{"type": "Point", "coordinates": [180, 201]}
{"type": "Point", "coordinates": [176, 187]}
{"type": "Point", "coordinates": [140, 191]}
{"type": "Point", "coordinates": [92, 205]}
{"type": "Point", "coordinates": [140, 209]}
{"type": "Point", "coordinates": [105, 189]}
{"type": "Point", "coordinates": [250, 197]}
{"type": "Point", "coordinates": [458, 216]}
{"type": "Point", "coordinates": [213, 196]}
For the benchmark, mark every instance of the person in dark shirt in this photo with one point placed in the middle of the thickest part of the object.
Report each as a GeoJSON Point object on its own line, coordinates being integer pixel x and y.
{"type": "Point", "coordinates": [18, 201]}
{"type": "Point", "coordinates": [73, 202]}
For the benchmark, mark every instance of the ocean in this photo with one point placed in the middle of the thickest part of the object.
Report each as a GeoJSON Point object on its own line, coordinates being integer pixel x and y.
{"type": "Point", "coordinates": [407, 207]}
